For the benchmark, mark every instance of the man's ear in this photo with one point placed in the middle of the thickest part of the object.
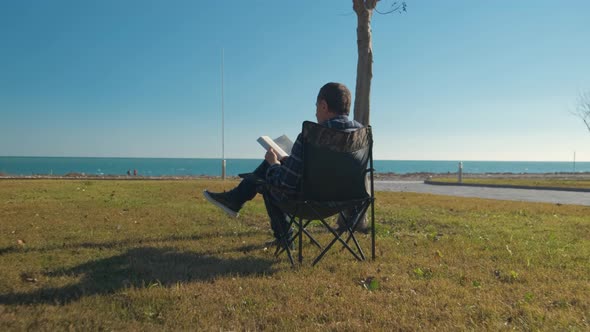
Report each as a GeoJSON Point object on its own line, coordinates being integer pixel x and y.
{"type": "Point", "coordinates": [323, 105]}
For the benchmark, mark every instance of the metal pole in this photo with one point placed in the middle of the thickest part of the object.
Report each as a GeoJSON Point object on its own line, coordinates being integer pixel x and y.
{"type": "Point", "coordinates": [222, 122]}
{"type": "Point", "coordinates": [460, 174]}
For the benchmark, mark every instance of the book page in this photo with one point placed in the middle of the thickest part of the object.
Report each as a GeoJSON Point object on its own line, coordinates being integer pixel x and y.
{"type": "Point", "coordinates": [268, 143]}
{"type": "Point", "coordinates": [285, 143]}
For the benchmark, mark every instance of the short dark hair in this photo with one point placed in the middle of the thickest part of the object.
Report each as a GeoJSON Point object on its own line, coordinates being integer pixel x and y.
{"type": "Point", "coordinates": [337, 96]}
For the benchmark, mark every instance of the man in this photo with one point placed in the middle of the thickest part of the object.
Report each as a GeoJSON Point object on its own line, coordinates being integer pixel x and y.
{"type": "Point", "coordinates": [332, 109]}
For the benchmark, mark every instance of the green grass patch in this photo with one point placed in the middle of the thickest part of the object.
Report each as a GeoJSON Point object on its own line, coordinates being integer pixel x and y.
{"type": "Point", "coordinates": [527, 182]}
{"type": "Point", "coordinates": [154, 255]}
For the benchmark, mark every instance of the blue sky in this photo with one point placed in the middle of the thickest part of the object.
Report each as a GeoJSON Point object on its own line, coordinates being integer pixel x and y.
{"type": "Point", "coordinates": [453, 80]}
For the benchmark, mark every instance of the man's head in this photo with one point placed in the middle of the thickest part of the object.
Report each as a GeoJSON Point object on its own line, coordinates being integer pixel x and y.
{"type": "Point", "coordinates": [333, 99]}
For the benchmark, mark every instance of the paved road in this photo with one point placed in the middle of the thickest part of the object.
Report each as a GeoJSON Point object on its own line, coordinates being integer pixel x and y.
{"type": "Point", "coordinates": [528, 195]}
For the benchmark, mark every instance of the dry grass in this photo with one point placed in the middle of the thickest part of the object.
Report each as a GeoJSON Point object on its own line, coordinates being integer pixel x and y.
{"type": "Point", "coordinates": [140, 255]}
{"type": "Point", "coordinates": [527, 182]}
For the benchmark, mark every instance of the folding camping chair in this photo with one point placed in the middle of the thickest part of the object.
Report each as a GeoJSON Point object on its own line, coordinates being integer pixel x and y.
{"type": "Point", "coordinates": [334, 181]}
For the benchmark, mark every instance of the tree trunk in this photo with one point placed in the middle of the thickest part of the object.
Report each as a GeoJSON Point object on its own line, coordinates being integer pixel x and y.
{"type": "Point", "coordinates": [364, 69]}
{"type": "Point", "coordinates": [364, 74]}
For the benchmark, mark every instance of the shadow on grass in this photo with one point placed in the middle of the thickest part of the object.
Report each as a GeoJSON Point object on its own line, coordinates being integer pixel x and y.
{"type": "Point", "coordinates": [140, 268]}
{"type": "Point", "coordinates": [121, 244]}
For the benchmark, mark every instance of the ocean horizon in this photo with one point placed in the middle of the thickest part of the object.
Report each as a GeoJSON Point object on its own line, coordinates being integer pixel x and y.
{"type": "Point", "coordinates": [102, 166]}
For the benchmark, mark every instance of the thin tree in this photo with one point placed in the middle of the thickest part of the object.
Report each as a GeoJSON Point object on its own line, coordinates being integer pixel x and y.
{"type": "Point", "coordinates": [583, 109]}
{"type": "Point", "coordinates": [364, 70]}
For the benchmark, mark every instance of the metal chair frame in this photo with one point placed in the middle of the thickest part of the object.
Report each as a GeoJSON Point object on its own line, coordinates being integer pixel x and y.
{"type": "Point", "coordinates": [301, 219]}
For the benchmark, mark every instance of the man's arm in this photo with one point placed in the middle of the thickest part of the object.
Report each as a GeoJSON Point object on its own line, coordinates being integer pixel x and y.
{"type": "Point", "coordinates": [288, 174]}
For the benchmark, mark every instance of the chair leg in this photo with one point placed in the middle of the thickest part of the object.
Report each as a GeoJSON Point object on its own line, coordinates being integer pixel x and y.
{"type": "Point", "coordinates": [283, 245]}
{"type": "Point", "coordinates": [284, 242]}
{"type": "Point", "coordinates": [311, 238]}
{"type": "Point", "coordinates": [355, 241]}
{"type": "Point", "coordinates": [301, 229]}
{"type": "Point", "coordinates": [288, 250]}
{"type": "Point", "coordinates": [352, 229]}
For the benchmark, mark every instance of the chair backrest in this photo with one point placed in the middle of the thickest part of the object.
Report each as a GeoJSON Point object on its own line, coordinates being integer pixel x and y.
{"type": "Point", "coordinates": [335, 162]}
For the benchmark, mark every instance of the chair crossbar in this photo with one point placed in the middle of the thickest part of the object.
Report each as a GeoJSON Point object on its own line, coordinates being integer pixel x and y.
{"type": "Point", "coordinates": [301, 224]}
{"type": "Point", "coordinates": [337, 237]}
{"type": "Point", "coordinates": [304, 230]}
{"type": "Point", "coordinates": [357, 220]}
{"type": "Point", "coordinates": [293, 220]}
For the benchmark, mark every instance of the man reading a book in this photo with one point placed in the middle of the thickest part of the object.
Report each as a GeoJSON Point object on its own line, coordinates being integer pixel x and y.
{"type": "Point", "coordinates": [332, 109]}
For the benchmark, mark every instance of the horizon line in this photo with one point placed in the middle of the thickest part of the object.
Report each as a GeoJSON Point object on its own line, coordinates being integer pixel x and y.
{"type": "Point", "coordinates": [219, 158]}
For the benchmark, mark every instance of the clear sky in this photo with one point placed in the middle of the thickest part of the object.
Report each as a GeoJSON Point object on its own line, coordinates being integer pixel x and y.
{"type": "Point", "coordinates": [453, 80]}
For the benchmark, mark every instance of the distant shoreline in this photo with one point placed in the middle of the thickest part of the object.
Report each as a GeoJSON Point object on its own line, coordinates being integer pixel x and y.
{"type": "Point", "coordinates": [107, 167]}
{"type": "Point", "coordinates": [420, 176]}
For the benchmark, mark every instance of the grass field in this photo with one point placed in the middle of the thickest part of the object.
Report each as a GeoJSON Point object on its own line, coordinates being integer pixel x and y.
{"type": "Point", "coordinates": [153, 255]}
{"type": "Point", "coordinates": [527, 182]}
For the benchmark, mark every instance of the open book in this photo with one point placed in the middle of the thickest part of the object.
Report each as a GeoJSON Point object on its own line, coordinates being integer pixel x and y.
{"type": "Point", "coordinates": [281, 145]}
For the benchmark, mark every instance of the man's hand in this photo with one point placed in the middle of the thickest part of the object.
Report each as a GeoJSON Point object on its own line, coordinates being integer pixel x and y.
{"type": "Point", "coordinates": [271, 157]}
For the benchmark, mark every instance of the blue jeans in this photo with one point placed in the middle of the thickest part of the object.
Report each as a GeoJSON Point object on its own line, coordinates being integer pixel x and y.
{"type": "Point", "coordinates": [247, 190]}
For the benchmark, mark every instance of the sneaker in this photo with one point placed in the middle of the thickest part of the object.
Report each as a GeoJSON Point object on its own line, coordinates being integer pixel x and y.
{"type": "Point", "coordinates": [225, 202]}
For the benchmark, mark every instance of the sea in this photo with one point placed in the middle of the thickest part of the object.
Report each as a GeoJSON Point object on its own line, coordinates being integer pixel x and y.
{"type": "Point", "coordinates": [28, 166]}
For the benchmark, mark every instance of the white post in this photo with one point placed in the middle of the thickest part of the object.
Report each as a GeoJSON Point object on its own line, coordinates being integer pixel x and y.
{"type": "Point", "coordinates": [574, 161]}
{"type": "Point", "coordinates": [460, 173]}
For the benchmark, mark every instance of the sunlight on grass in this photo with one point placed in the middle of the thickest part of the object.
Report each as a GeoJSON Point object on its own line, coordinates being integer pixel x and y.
{"type": "Point", "coordinates": [153, 255]}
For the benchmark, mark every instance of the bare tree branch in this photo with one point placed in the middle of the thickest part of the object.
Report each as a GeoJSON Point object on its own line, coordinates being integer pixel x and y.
{"type": "Point", "coordinates": [583, 109]}
{"type": "Point", "coordinates": [395, 8]}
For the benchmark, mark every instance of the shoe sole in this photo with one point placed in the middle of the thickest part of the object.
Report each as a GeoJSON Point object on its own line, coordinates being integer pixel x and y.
{"type": "Point", "coordinates": [225, 209]}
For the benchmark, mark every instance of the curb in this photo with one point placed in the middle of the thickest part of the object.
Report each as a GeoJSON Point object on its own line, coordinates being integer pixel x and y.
{"type": "Point", "coordinates": [509, 186]}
